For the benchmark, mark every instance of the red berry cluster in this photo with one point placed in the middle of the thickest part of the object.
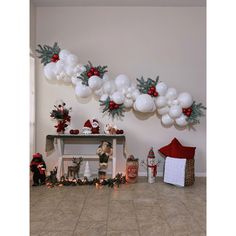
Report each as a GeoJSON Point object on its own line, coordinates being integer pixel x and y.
{"type": "Point", "coordinates": [187, 111]}
{"type": "Point", "coordinates": [113, 105]}
{"type": "Point", "coordinates": [152, 91]}
{"type": "Point", "coordinates": [55, 58]}
{"type": "Point", "coordinates": [119, 131]}
{"type": "Point", "coordinates": [74, 131]}
{"type": "Point", "coordinates": [93, 71]}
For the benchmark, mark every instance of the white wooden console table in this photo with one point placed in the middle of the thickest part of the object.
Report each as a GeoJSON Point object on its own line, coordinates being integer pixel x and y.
{"type": "Point", "coordinates": [57, 142]}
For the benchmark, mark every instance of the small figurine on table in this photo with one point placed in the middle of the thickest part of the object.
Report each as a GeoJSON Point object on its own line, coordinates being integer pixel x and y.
{"type": "Point", "coordinates": [95, 126]}
{"type": "Point", "coordinates": [104, 151]}
{"type": "Point", "coordinates": [38, 167]}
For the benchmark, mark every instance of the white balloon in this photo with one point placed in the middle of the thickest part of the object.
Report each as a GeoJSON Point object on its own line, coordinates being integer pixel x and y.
{"type": "Point", "coordinates": [104, 97]}
{"type": "Point", "coordinates": [175, 111]}
{"type": "Point", "coordinates": [105, 77]}
{"type": "Point", "coordinates": [171, 94]}
{"type": "Point", "coordinates": [69, 70]}
{"type": "Point", "coordinates": [145, 103]}
{"type": "Point", "coordinates": [175, 102]}
{"type": "Point", "coordinates": [118, 97]}
{"type": "Point", "coordinates": [95, 82]}
{"type": "Point", "coordinates": [164, 110]}
{"type": "Point", "coordinates": [181, 121]}
{"type": "Point", "coordinates": [75, 80]}
{"type": "Point", "coordinates": [67, 79]}
{"type": "Point", "coordinates": [122, 81]}
{"type": "Point", "coordinates": [79, 69]}
{"type": "Point", "coordinates": [109, 87]}
{"type": "Point", "coordinates": [63, 54]}
{"type": "Point", "coordinates": [161, 88]}
{"type": "Point", "coordinates": [185, 99]}
{"type": "Point", "coordinates": [72, 60]}
{"type": "Point", "coordinates": [123, 90]}
{"type": "Point", "coordinates": [135, 94]}
{"type": "Point", "coordinates": [59, 67]}
{"type": "Point", "coordinates": [98, 92]}
{"type": "Point", "coordinates": [167, 120]}
{"type": "Point", "coordinates": [49, 71]}
{"type": "Point", "coordinates": [161, 101]}
{"type": "Point", "coordinates": [82, 91]}
{"type": "Point", "coordinates": [128, 103]}
{"type": "Point", "coordinates": [129, 95]}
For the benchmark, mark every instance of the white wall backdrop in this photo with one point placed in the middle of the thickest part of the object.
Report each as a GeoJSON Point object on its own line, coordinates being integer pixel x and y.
{"type": "Point", "coordinates": [149, 41]}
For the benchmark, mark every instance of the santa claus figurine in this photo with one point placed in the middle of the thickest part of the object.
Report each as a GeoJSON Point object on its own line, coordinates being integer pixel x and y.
{"type": "Point", "coordinates": [95, 126]}
{"type": "Point", "coordinates": [87, 129]}
{"type": "Point", "coordinates": [38, 167]}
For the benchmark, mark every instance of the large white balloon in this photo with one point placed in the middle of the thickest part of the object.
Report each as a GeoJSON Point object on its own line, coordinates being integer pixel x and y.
{"type": "Point", "coordinates": [95, 82]}
{"type": "Point", "coordinates": [185, 99]}
{"type": "Point", "coordinates": [161, 101]}
{"type": "Point", "coordinates": [63, 54]}
{"type": "Point", "coordinates": [161, 88]}
{"type": "Point", "coordinates": [49, 71]}
{"type": "Point", "coordinates": [118, 97]}
{"type": "Point", "coordinates": [164, 110]}
{"type": "Point", "coordinates": [72, 60]}
{"type": "Point", "coordinates": [122, 81]}
{"type": "Point", "coordinates": [82, 91]}
{"type": "Point", "coordinates": [181, 121]}
{"type": "Point", "coordinates": [104, 97]}
{"type": "Point", "coordinates": [145, 103]}
{"type": "Point", "coordinates": [167, 120]}
{"type": "Point", "coordinates": [109, 87]}
{"type": "Point", "coordinates": [128, 103]}
{"type": "Point", "coordinates": [175, 111]}
{"type": "Point", "coordinates": [171, 94]}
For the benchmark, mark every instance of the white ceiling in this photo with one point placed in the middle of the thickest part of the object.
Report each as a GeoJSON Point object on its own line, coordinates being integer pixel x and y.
{"type": "Point", "coordinates": [117, 3]}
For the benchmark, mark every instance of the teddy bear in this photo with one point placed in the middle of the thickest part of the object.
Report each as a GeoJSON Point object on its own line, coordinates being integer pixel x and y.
{"type": "Point", "coordinates": [38, 167]}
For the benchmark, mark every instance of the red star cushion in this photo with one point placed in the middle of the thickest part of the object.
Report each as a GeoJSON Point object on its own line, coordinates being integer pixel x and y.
{"type": "Point", "coordinates": [176, 149]}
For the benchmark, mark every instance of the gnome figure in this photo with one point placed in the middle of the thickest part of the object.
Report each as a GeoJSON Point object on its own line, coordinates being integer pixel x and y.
{"type": "Point", "coordinates": [38, 167]}
{"type": "Point", "coordinates": [87, 129]}
{"type": "Point", "coordinates": [151, 167]}
{"type": "Point", "coordinates": [95, 126]}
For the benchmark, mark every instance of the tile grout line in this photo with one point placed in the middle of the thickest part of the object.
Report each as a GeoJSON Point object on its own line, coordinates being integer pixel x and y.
{"type": "Point", "coordinates": [80, 213]}
{"type": "Point", "coordinates": [139, 233]}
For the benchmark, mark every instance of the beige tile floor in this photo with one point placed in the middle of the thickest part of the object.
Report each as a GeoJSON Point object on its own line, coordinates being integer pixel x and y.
{"type": "Point", "coordinates": [139, 209]}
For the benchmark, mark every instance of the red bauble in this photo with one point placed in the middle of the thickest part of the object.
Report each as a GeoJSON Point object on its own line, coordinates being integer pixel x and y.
{"type": "Point", "coordinates": [155, 94]}
{"type": "Point", "coordinates": [55, 58]}
{"type": "Point", "coordinates": [76, 131]}
{"type": "Point", "coordinates": [71, 131]}
{"type": "Point", "coordinates": [121, 131]}
{"type": "Point", "coordinates": [153, 89]}
{"type": "Point", "coordinates": [92, 69]}
{"type": "Point", "coordinates": [189, 109]}
{"type": "Point", "coordinates": [111, 103]}
{"type": "Point", "coordinates": [116, 106]}
{"type": "Point", "coordinates": [118, 131]}
{"type": "Point", "coordinates": [89, 74]}
{"type": "Point", "coordinates": [150, 92]}
{"type": "Point", "coordinates": [96, 72]}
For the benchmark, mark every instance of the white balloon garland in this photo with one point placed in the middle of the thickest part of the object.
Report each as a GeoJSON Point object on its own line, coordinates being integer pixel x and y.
{"type": "Point", "coordinates": [148, 96]}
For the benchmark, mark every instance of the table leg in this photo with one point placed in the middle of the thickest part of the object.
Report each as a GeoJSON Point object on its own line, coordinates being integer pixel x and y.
{"type": "Point", "coordinates": [114, 158]}
{"type": "Point", "coordinates": [59, 144]}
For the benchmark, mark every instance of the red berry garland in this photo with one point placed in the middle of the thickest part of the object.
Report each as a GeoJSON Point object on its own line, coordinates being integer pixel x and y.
{"type": "Point", "coordinates": [187, 111]}
{"type": "Point", "coordinates": [148, 87]}
{"type": "Point", "coordinates": [55, 58]}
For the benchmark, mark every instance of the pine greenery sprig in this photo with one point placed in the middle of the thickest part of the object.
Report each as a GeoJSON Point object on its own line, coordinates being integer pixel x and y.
{"type": "Point", "coordinates": [197, 112]}
{"type": "Point", "coordinates": [144, 86]}
{"type": "Point", "coordinates": [90, 71]}
{"type": "Point", "coordinates": [112, 110]}
{"type": "Point", "coordinates": [46, 53]}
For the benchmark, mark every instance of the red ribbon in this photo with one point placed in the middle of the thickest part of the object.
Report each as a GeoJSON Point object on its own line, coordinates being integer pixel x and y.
{"type": "Point", "coordinates": [154, 170]}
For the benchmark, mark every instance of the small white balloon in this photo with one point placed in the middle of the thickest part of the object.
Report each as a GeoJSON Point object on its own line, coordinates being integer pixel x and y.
{"type": "Point", "coordinates": [109, 87]}
{"type": "Point", "coordinates": [118, 97]}
{"type": "Point", "coordinates": [72, 60]}
{"type": "Point", "coordinates": [63, 54]}
{"type": "Point", "coordinates": [171, 94]}
{"type": "Point", "coordinates": [175, 102]}
{"type": "Point", "coordinates": [181, 121]}
{"type": "Point", "coordinates": [49, 71]}
{"type": "Point", "coordinates": [129, 95]}
{"type": "Point", "coordinates": [128, 103]}
{"type": "Point", "coordinates": [98, 92]}
{"type": "Point", "coordinates": [135, 94]}
{"type": "Point", "coordinates": [175, 111]}
{"type": "Point", "coordinates": [161, 88]}
{"type": "Point", "coordinates": [95, 82]}
{"type": "Point", "coordinates": [161, 101]}
{"type": "Point", "coordinates": [185, 99]}
{"type": "Point", "coordinates": [122, 81]}
{"type": "Point", "coordinates": [105, 77]}
{"type": "Point", "coordinates": [145, 103]}
{"type": "Point", "coordinates": [75, 80]}
{"type": "Point", "coordinates": [59, 67]}
{"type": "Point", "coordinates": [104, 97]}
{"type": "Point", "coordinates": [79, 69]}
{"type": "Point", "coordinates": [82, 91]}
{"type": "Point", "coordinates": [164, 110]}
{"type": "Point", "coordinates": [69, 70]}
{"type": "Point", "coordinates": [167, 120]}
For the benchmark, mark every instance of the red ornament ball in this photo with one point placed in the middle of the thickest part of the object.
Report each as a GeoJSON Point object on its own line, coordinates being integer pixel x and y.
{"type": "Point", "coordinates": [155, 94]}
{"type": "Point", "coordinates": [116, 106]}
{"type": "Point", "coordinates": [152, 89]}
{"type": "Point", "coordinates": [89, 74]}
{"type": "Point", "coordinates": [150, 92]}
{"type": "Point", "coordinates": [92, 69]}
{"type": "Point", "coordinates": [71, 131]}
{"type": "Point", "coordinates": [96, 72]}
